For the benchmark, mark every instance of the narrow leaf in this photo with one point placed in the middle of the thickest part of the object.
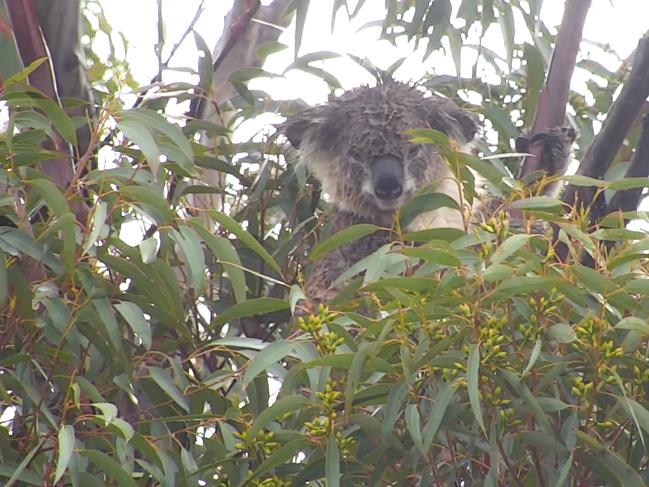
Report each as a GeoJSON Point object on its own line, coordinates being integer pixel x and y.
{"type": "Point", "coordinates": [332, 462]}
{"type": "Point", "coordinates": [66, 447]}
{"type": "Point", "coordinates": [270, 355]}
{"type": "Point", "coordinates": [344, 236]}
{"type": "Point", "coordinates": [251, 307]}
{"type": "Point", "coordinates": [472, 375]}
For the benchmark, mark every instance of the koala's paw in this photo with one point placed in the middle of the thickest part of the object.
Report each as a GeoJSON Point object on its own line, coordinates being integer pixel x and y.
{"type": "Point", "coordinates": [556, 147]}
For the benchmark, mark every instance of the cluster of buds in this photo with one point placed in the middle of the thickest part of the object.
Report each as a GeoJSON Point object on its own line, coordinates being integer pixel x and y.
{"type": "Point", "coordinates": [264, 442]}
{"type": "Point", "coordinates": [581, 388]}
{"type": "Point", "coordinates": [330, 397]}
{"type": "Point", "coordinates": [273, 481]}
{"type": "Point", "coordinates": [325, 341]}
{"type": "Point", "coordinates": [450, 373]}
{"type": "Point", "coordinates": [641, 374]}
{"type": "Point", "coordinates": [492, 339]}
{"type": "Point", "coordinates": [544, 306]}
{"type": "Point", "coordinates": [321, 427]}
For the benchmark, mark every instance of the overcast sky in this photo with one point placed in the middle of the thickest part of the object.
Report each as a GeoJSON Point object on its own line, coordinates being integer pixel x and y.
{"type": "Point", "coordinates": [617, 22]}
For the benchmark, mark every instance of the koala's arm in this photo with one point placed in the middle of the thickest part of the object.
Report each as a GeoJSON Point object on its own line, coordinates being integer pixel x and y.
{"type": "Point", "coordinates": [555, 151]}
{"type": "Point", "coordinates": [320, 283]}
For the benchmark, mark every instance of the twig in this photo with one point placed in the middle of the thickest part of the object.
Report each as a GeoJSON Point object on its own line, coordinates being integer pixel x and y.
{"type": "Point", "coordinates": [551, 111]}
{"type": "Point", "coordinates": [161, 41]}
{"type": "Point", "coordinates": [236, 23]}
{"type": "Point", "coordinates": [190, 28]}
{"type": "Point", "coordinates": [162, 65]}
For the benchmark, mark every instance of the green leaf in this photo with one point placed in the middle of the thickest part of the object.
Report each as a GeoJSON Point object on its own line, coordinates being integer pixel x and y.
{"type": "Point", "coordinates": [523, 285]}
{"type": "Point", "coordinates": [124, 428]}
{"type": "Point", "coordinates": [231, 225]}
{"type": "Point", "coordinates": [281, 456]}
{"type": "Point", "coordinates": [225, 252]}
{"type": "Point", "coordinates": [110, 467]}
{"type": "Point", "coordinates": [51, 193]}
{"type": "Point", "coordinates": [509, 247]}
{"type": "Point", "coordinates": [629, 183]}
{"type": "Point", "coordinates": [638, 412]}
{"type": "Point", "coordinates": [543, 441]}
{"type": "Point", "coordinates": [107, 316]}
{"type": "Point", "coordinates": [3, 278]}
{"type": "Point", "coordinates": [423, 203]}
{"type": "Point", "coordinates": [562, 333]}
{"type": "Point", "coordinates": [579, 180]}
{"type": "Point", "coordinates": [301, 9]}
{"type": "Point", "coordinates": [533, 356]}
{"type": "Point", "coordinates": [243, 75]}
{"type": "Point", "coordinates": [108, 411]}
{"type": "Point", "coordinates": [136, 320]}
{"type": "Point", "coordinates": [66, 447]}
{"type": "Point", "coordinates": [625, 475]}
{"type": "Point", "coordinates": [565, 471]}
{"type": "Point", "coordinates": [472, 375]}
{"type": "Point", "coordinates": [552, 405]}
{"type": "Point", "coordinates": [252, 307]}
{"type": "Point", "coordinates": [393, 406]}
{"type": "Point", "coordinates": [153, 120]}
{"type": "Point", "coordinates": [188, 241]}
{"type": "Point", "coordinates": [593, 280]}
{"type": "Point", "coordinates": [151, 202]}
{"type": "Point", "coordinates": [501, 121]}
{"type": "Point", "coordinates": [282, 406]}
{"type": "Point", "coordinates": [442, 400]}
{"type": "Point", "coordinates": [55, 114]}
{"type": "Point", "coordinates": [166, 383]}
{"type": "Point", "coordinates": [20, 469]}
{"type": "Point", "coordinates": [429, 136]}
{"type": "Point", "coordinates": [414, 426]}
{"type": "Point", "coordinates": [269, 48]}
{"type": "Point", "coordinates": [344, 236]}
{"type": "Point", "coordinates": [536, 203]}
{"type": "Point", "coordinates": [205, 63]}
{"type": "Point", "coordinates": [332, 462]}
{"type": "Point", "coordinates": [270, 355]}
{"type": "Point", "coordinates": [635, 324]}
{"type": "Point", "coordinates": [141, 135]}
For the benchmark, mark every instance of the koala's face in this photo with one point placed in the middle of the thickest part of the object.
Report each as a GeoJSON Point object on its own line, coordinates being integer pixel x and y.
{"type": "Point", "coordinates": [357, 147]}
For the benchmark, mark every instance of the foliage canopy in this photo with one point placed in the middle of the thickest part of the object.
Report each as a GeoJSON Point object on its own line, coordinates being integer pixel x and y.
{"type": "Point", "coordinates": [473, 358]}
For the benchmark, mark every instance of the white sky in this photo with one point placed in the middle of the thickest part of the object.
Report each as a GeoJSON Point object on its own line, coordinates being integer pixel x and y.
{"type": "Point", "coordinates": [617, 22]}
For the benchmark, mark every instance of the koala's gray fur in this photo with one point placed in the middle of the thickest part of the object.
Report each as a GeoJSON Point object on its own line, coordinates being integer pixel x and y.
{"type": "Point", "coordinates": [343, 141]}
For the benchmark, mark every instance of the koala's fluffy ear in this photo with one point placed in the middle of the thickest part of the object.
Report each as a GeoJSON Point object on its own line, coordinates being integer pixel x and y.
{"type": "Point", "coordinates": [296, 127]}
{"type": "Point", "coordinates": [445, 116]}
{"type": "Point", "coordinates": [468, 123]}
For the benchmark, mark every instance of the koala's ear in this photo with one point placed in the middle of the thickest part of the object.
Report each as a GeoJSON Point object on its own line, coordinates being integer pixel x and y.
{"type": "Point", "coordinates": [468, 123]}
{"type": "Point", "coordinates": [296, 127]}
{"type": "Point", "coordinates": [445, 116]}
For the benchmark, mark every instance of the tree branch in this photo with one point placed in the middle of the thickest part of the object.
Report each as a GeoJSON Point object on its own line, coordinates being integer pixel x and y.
{"type": "Point", "coordinates": [619, 120]}
{"type": "Point", "coordinates": [628, 200]}
{"type": "Point", "coordinates": [237, 47]}
{"type": "Point", "coordinates": [551, 110]}
{"type": "Point", "coordinates": [28, 32]}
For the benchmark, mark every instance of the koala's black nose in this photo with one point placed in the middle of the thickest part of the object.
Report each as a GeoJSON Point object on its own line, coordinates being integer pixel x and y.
{"type": "Point", "coordinates": [387, 177]}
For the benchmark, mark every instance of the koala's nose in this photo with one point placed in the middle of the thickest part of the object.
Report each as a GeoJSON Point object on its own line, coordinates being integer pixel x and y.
{"type": "Point", "coordinates": [387, 177]}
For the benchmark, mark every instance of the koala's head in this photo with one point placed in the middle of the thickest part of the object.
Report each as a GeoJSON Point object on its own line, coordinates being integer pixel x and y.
{"type": "Point", "coordinates": [357, 147]}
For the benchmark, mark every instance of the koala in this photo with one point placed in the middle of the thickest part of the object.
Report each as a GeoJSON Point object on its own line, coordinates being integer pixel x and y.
{"type": "Point", "coordinates": [356, 145]}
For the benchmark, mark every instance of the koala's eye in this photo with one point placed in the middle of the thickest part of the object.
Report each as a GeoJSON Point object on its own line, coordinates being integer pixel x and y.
{"type": "Point", "coordinates": [354, 154]}
{"type": "Point", "coordinates": [413, 150]}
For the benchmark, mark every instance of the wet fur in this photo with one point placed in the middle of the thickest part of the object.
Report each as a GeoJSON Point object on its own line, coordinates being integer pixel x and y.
{"type": "Point", "coordinates": [340, 140]}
